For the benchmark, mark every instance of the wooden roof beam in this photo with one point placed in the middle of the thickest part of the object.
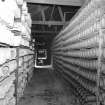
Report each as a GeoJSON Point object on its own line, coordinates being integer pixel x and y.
{"type": "Point", "coordinates": [57, 2]}
{"type": "Point", "coordinates": [49, 22]}
{"type": "Point", "coordinates": [61, 14]}
{"type": "Point", "coordinates": [47, 32]}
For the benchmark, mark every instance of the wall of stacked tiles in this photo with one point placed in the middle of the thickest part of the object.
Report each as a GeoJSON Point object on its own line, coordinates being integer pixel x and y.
{"type": "Point", "coordinates": [25, 70]}
{"type": "Point", "coordinates": [16, 66]}
{"type": "Point", "coordinates": [78, 53]}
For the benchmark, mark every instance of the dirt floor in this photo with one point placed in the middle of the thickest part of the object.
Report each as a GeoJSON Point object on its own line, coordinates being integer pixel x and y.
{"type": "Point", "coordinates": [46, 88]}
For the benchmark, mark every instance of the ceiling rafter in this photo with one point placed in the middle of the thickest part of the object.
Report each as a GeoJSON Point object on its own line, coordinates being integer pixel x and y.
{"type": "Point", "coordinates": [61, 13]}
{"type": "Point", "coordinates": [57, 2]}
{"type": "Point", "coordinates": [42, 13]}
{"type": "Point", "coordinates": [48, 32]}
{"type": "Point", "coordinates": [51, 16]}
{"type": "Point", "coordinates": [49, 22]}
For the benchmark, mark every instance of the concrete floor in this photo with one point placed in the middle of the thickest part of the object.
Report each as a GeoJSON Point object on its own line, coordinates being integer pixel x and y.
{"type": "Point", "coordinates": [46, 88]}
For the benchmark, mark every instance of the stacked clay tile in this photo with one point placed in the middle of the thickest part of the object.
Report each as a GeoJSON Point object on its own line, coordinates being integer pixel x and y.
{"type": "Point", "coordinates": [76, 51]}
{"type": "Point", "coordinates": [15, 30]}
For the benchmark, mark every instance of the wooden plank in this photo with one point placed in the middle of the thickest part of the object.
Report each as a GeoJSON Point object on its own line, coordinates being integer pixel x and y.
{"type": "Point", "coordinates": [47, 32]}
{"type": "Point", "coordinates": [49, 22]}
{"type": "Point", "coordinates": [61, 14]}
{"type": "Point", "coordinates": [57, 2]}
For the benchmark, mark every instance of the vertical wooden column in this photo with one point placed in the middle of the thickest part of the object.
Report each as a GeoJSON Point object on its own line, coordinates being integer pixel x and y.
{"type": "Point", "coordinates": [16, 84]}
{"type": "Point", "coordinates": [100, 63]}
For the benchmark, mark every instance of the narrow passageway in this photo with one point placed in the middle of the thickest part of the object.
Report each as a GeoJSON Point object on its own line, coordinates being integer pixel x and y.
{"type": "Point", "coordinates": [46, 88]}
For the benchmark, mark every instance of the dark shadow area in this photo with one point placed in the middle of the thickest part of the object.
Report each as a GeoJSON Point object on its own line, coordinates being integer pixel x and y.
{"type": "Point", "coordinates": [47, 88]}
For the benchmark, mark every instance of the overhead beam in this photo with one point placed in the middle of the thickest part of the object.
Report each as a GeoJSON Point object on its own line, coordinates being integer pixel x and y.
{"type": "Point", "coordinates": [61, 13]}
{"type": "Point", "coordinates": [49, 22]}
{"type": "Point", "coordinates": [43, 15]}
{"type": "Point", "coordinates": [57, 2]}
{"type": "Point", "coordinates": [45, 32]}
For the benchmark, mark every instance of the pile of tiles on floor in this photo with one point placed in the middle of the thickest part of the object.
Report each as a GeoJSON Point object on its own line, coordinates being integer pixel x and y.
{"type": "Point", "coordinates": [15, 24]}
{"type": "Point", "coordinates": [77, 50]}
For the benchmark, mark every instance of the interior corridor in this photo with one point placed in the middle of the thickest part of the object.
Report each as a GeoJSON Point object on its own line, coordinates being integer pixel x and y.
{"type": "Point", "coordinates": [47, 88]}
